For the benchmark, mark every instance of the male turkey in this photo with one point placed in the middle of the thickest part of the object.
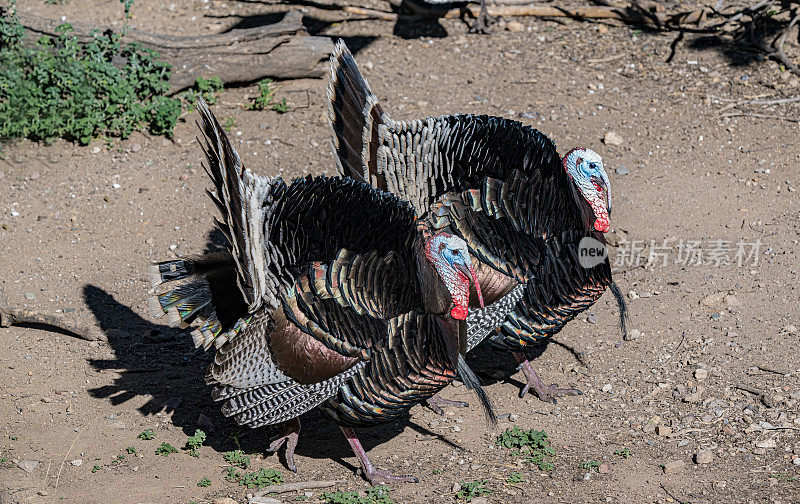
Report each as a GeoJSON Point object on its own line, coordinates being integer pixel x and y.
{"type": "Point", "coordinates": [525, 213]}
{"type": "Point", "coordinates": [330, 293]}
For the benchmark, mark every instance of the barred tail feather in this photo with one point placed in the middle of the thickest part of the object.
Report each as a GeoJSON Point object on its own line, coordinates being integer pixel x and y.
{"type": "Point", "coordinates": [354, 115]}
{"type": "Point", "coordinates": [623, 308]}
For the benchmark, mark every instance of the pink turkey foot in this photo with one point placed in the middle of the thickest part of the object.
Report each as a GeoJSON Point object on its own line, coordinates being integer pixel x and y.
{"type": "Point", "coordinates": [374, 476]}
{"type": "Point", "coordinates": [437, 404]}
{"type": "Point", "coordinates": [290, 436]}
{"type": "Point", "coordinates": [546, 393]}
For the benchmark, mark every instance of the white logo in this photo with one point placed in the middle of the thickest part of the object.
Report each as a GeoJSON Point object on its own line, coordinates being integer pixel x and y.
{"type": "Point", "coordinates": [591, 252]}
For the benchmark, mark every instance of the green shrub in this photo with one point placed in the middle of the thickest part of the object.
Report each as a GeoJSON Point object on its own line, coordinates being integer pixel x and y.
{"type": "Point", "coordinates": [62, 88]}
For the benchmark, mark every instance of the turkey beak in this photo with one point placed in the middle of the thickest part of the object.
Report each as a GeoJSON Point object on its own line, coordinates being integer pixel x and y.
{"type": "Point", "coordinates": [470, 273]}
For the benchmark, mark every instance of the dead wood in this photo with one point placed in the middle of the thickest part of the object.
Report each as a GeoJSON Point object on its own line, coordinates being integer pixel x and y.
{"type": "Point", "coordinates": [15, 316]}
{"type": "Point", "coordinates": [282, 50]}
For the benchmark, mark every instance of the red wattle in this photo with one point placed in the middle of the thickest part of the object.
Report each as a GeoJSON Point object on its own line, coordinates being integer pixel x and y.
{"type": "Point", "coordinates": [602, 226]}
{"type": "Point", "coordinates": [459, 312]}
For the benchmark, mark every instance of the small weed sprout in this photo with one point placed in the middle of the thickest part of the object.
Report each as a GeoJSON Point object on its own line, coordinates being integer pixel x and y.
{"type": "Point", "coordinates": [194, 442]}
{"type": "Point", "coordinates": [131, 450]}
{"type": "Point", "coordinates": [514, 477]}
{"type": "Point", "coordinates": [237, 458]}
{"type": "Point", "coordinates": [256, 479]}
{"type": "Point", "coordinates": [205, 482]}
{"type": "Point", "coordinates": [531, 444]}
{"type": "Point", "coordinates": [589, 465]}
{"type": "Point", "coordinates": [471, 489]}
{"type": "Point", "coordinates": [376, 495]}
{"type": "Point", "coordinates": [165, 449]}
{"type": "Point", "coordinates": [205, 88]}
{"type": "Point", "coordinates": [229, 123]}
{"type": "Point", "coordinates": [96, 468]}
{"type": "Point", "coordinates": [266, 92]}
{"type": "Point", "coordinates": [147, 434]}
{"type": "Point", "coordinates": [623, 452]}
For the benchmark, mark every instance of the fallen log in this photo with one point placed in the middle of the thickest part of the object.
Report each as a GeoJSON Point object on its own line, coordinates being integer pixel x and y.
{"type": "Point", "coordinates": [282, 50]}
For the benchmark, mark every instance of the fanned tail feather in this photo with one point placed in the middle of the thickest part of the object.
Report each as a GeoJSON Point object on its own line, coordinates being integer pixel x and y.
{"type": "Point", "coordinates": [208, 287]}
{"type": "Point", "coordinates": [354, 114]}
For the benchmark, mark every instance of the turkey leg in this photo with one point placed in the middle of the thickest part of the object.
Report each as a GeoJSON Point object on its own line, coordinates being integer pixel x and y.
{"type": "Point", "coordinates": [374, 476]}
{"type": "Point", "coordinates": [290, 436]}
{"type": "Point", "coordinates": [481, 25]}
{"type": "Point", "coordinates": [546, 393]}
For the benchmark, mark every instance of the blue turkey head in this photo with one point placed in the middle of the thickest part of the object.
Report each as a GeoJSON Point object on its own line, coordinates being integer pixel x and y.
{"type": "Point", "coordinates": [585, 169]}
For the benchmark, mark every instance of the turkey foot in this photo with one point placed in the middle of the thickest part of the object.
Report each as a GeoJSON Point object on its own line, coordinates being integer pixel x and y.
{"type": "Point", "coordinates": [290, 436]}
{"type": "Point", "coordinates": [546, 393]}
{"type": "Point", "coordinates": [374, 476]}
{"type": "Point", "coordinates": [437, 404]}
{"type": "Point", "coordinates": [484, 20]}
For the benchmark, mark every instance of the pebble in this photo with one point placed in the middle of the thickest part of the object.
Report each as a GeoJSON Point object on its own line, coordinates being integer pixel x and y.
{"type": "Point", "coordinates": [30, 295]}
{"type": "Point", "coordinates": [700, 374]}
{"type": "Point", "coordinates": [173, 247]}
{"type": "Point", "coordinates": [673, 466]}
{"type": "Point", "coordinates": [43, 493]}
{"type": "Point", "coordinates": [592, 319]}
{"type": "Point", "coordinates": [694, 397]}
{"type": "Point", "coordinates": [796, 461]}
{"type": "Point", "coordinates": [136, 147]}
{"type": "Point", "coordinates": [513, 26]}
{"type": "Point", "coordinates": [513, 417]}
{"type": "Point", "coordinates": [612, 138]}
{"type": "Point", "coordinates": [767, 443]}
{"type": "Point", "coordinates": [633, 334]}
{"type": "Point", "coordinates": [703, 457]}
{"type": "Point", "coordinates": [714, 300]}
{"type": "Point", "coordinates": [632, 295]}
{"type": "Point", "coordinates": [604, 469]}
{"type": "Point", "coordinates": [34, 175]}
{"type": "Point", "coordinates": [14, 213]}
{"type": "Point", "coordinates": [95, 150]}
{"type": "Point", "coordinates": [76, 462]}
{"type": "Point", "coordinates": [480, 500]}
{"type": "Point", "coordinates": [791, 328]}
{"type": "Point", "coordinates": [663, 430]}
{"type": "Point", "coordinates": [28, 465]}
{"type": "Point", "coordinates": [115, 185]}
{"type": "Point", "coordinates": [456, 487]}
{"type": "Point", "coordinates": [607, 388]}
{"type": "Point", "coordinates": [225, 500]}
{"type": "Point", "coordinates": [622, 170]}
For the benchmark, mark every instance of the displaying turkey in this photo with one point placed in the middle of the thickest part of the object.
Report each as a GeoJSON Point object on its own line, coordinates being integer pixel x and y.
{"type": "Point", "coordinates": [330, 294]}
{"type": "Point", "coordinates": [534, 221]}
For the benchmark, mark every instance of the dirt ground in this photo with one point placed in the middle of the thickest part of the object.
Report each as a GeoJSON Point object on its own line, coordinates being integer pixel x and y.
{"type": "Point", "coordinates": [78, 226]}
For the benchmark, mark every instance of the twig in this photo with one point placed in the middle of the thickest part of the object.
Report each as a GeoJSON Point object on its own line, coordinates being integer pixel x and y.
{"type": "Point", "coordinates": [294, 487]}
{"type": "Point", "coordinates": [679, 501]}
{"type": "Point", "coordinates": [15, 316]}
{"type": "Point", "coordinates": [372, 13]}
{"type": "Point", "coordinates": [761, 116]}
{"type": "Point", "coordinates": [769, 370]}
{"type": "Point", "coordinates": [67, 455]}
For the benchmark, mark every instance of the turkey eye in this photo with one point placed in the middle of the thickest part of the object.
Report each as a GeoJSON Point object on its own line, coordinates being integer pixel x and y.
{"type": "Point", "coordinates": [593, 166]}
{"type": "Point", "coordinates": [456, 252]}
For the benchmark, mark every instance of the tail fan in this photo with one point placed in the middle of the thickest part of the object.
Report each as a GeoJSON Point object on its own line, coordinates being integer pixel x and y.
{"type": "Point", "coordinates": [473, 383]}
{"type": "Point", "coordinates": [354, 114]}
{"type": "Point", "coordinates": [207, 296]}
{"type": "Point", "coordinates": [623, 308]}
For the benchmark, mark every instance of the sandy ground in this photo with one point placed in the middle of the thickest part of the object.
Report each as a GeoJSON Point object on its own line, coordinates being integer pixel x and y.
{"type": "Point", "coordinates": [707, 206]}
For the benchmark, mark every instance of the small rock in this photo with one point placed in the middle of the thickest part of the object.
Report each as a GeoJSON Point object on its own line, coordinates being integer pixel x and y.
{"type": "Point", "coordinates": [115, 185]}
{"type": "Point", "coordinates": [456, 487]}
{"type": "Point", "coordinates": [136, 147]}
{"type": "Point", "coordinates": [592, 319]}
{"type": "Point", "coordinates": [663, 430]}
{"type": "Point", "coordinates": [633, 334]}
{"type": "Point", "coordinates": [30, 295]}
{"type": "Point", "coordinates": [632, 295]}
{"type": "Point", "coordinates": [513, 417]}
{"type": "Point", "coordinates": [622, 170]}
{"type": "Point", "coordinates": [650, 426]}
{"type": "Point", "coordinates": [43, 493]}
{"type": "Point", "coordinates": [28, 465]}
{"type": "Point", "coordinates": [767, 443]}
{"type": "Point", "coordinates": [513, 26]}
{"type": "Point", "coordinates": [703, 457]}
{"type": "Point", "coordinates": [607, 388]}
{"type": "Point", "coordinates": [95, 150]}
{"type": "Point", "coordinates": [604, 468]}
{"type": "Point", "coordinates": [700, 374]}
{"type": "Point", "coordinates": [673, 466]}
{"type": "Point", "coordinates": [796, 461]}
{"type": "Point", "coordinates": [759, 451]}
{"type": "Point", "coordinates": [732, 301]}
{"type": "Point", "coordinates": [14, 213]}
{"type": "Point", "coordinates": [76, 462]}
{"type": "Point", "coordinates": [694, 397]}
{"type": "Point", "coordinates": [225, 500]}
{"type": "Point", "coordinates": [34, 175]}
{"type": "Point", "coordinates": [791, 328]}
{"type": "Point", "coordinates": [612, 138]}
{"type": "Point", "coordinates": [714, 300]}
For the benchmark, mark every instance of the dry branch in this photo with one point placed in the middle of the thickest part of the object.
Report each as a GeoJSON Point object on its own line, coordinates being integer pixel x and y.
{"type": "Point", "coordinates": [282, 50]}
{"type": "Point", "coordinates": [15, 316]}
{"type": "Point", "coordinates": [295, 487]}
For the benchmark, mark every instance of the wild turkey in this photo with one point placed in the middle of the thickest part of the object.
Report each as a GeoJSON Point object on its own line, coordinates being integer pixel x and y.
{"type": "Point", "coordinates": [330, 294]}
{"type": "Point", "coordinates": [525, 213]}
